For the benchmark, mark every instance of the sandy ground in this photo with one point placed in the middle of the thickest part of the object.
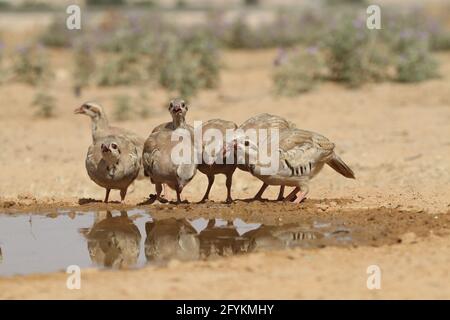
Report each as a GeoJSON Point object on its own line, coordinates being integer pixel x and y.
{"type": "Point", "coordinates": [395, 137]}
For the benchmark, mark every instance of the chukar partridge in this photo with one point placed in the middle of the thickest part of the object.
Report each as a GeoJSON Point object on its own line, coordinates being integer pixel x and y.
{"type": "Point", "coordinates": [177, 109]}
{"type": "Point", "coordinates": [265, 121]}
{"type": "Point", "coordinates": [114, 242]}
{"type": "Point", "coordinates": [101, 127]}
{"type": "Point", "coordinates": [213, 164]}
{"type": "Point", "coordinates": [169, 239]}
{"type": "Point", "coordinates": [113, 162]}
{"type": "Point", "coordinates": [302, 154]}
{"type": "Point", "coordinates": [100, 124]}
{"type": "Point", "coordinates": [157, 155]}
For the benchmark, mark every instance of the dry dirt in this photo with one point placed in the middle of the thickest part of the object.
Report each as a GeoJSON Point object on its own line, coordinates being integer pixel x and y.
{"type": "Point", "coordinates": [395, 137]}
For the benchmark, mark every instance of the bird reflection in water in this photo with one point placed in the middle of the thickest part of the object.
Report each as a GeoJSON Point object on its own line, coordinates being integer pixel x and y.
{"type": "Point", "coordinates": [182, 239]}
{"type": "Point", "coordinates": [222, 239]}
{"type": "Point", "coordinates": [171, 239]}
{"type": "Point", "coordinates": [114, 242]}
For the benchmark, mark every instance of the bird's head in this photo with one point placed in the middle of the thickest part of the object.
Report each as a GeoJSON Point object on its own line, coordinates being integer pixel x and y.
{"type": "Point", "coordinates": [244, 148]}
{"type": "Point", "coordinates": [90, 109]}
{"type": "Point", "coordinates": [178, 108]}
{"type": "Point", "coordinates": [110, 150]}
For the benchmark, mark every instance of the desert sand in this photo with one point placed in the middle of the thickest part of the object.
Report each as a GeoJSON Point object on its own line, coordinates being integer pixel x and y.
{"type": "Point", "coordinates": [395, 137]}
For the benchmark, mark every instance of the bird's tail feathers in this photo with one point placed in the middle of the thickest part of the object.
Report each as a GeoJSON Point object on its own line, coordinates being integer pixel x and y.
{"type": "Point", "coordinates": [340, 166]}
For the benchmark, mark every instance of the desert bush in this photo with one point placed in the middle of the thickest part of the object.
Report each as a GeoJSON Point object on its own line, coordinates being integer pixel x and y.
{"type": "Point", "coordinates": [4, 5]}
{"type": "Point", "coordinates": [84, 65]}
{"type": "Point", "coordinates": [123, 108]}
{"type": "Point", "coordinates": [204, 48]}
{"type": "Point", "coordinates": [440, 41]}
{"type": "Point", "coordinates": [298, 71]}
{"type": "Point", "coordinates": [251, 2]}
{"type": "Point", "coordinates": [105, 2]}
{"type": "Point", "coordinates": [57, 34]}
{"type": "Point", "coordinates": [187, 63]}
{"type": "Point", "coordinates": [136, 33]}
{"type": "Point", "coordinates": [127, 34]}
{"type": "Point", "coordinates": [289, 28]}
{"type": "Point", "coordinates": [121, 69]}
{"type": "Point", "coordinates": [355, 54]}
{"type": "Point", "coordinates": [414, 61]}
{"type": "Point", "coordinates": [142, 105]}
{"type": "Point", "coordinates": [439, 36]}
{"type": "Point", "coordinates": [31, 65]}
{"type": "Point", "coordinates": [240, 35]}
{"type": "Point", "coordinates": [44, 103]}
{"type": "Point", "coordinates": [2, 68]}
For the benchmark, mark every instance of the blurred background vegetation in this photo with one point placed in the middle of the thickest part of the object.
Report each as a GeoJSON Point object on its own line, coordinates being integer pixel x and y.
{"type": "Point", "coordinates": [177, 45]}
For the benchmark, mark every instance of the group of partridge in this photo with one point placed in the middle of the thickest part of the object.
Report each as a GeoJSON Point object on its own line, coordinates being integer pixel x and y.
{"type": "Point", "coordinates": [118, 156]}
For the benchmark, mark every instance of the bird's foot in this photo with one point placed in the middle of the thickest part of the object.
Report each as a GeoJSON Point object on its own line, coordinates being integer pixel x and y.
{"type": "Point", "coordinates": [204, 200]}
{"type": "Point", "coordinates": [259, 199]}
{"type": "Point", "coordinates": [162, 200]}
{"type": "Point", "coordinates": [153, 197]}
{"type": "Point", "coordinates": [229, 200]}
{"type": "Point", "coordinates": [299, 197]}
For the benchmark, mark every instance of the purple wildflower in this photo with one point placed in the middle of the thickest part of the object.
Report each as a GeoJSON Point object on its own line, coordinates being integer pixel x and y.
{"type": "Point", "coordinates": [313, 50]}
{"type": "Point", "coordinates": [358, 23]}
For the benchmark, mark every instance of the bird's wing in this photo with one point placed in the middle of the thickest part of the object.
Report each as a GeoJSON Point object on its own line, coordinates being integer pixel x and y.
{"type": "Point", "coordinates": [130, 155]}
{"type": "Point", "coordinates": [265, 121]}
{"type": "Point", "coordinates": [303, 150]}
{"type": "Point", "coordinates": [93, 156]}
{"type": "Point", "coordinates": [150, 154]}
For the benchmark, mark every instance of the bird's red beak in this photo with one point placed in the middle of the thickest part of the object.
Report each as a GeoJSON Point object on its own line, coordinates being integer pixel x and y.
{"type": "Point", "coordinates": [105, 149]}
{"type": "Point", "coordinates": [79, 110]}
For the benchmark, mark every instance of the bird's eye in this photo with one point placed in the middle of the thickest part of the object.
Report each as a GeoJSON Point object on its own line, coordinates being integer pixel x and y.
{"type": "Point", "coordinates": [87, 106]}
{"type": "Point", "coordinates": [183, 104]}
{"type": "Point", "coordinates": [247, 143]}
{"type": "Point", "coordinates": [114, 146]}
{"type": "Point", "coordinates": [170, 105]}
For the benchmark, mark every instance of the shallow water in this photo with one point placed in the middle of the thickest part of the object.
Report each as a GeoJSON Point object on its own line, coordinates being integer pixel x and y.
{"type": "Point", "coordinates": [131, 239]}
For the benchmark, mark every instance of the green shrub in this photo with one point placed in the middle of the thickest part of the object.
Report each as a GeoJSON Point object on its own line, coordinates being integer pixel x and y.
{"type": "Point", "coordinates": [122, 109]}
{"type": "Point", "coordinates": [299, 72]}
{"type": "Point", "coordinates": [251, 2]}
{"type": "Point", "coordinates": [355, 54]}
{"type": "Point", "coordinates": [142, 102]}
{"type": "Point", "coordinates": [105, 2]}
{"type": "Point", "coordinates": [31, 65]}
{"type": "Point", "coordinates": [439, 36]}
{"type": "Point", "coordinates": [84, 65]}
{"type": "Point", "coordinates": [121, 69]}
{"type": "Point", "coordinates": [2, 70]}
{"type": "Point", "coordinates": [414, 61]}
{"type": "Point", "coordinates": [186, 64]}
{"type": "Point", "coordinates": [44, 103]}
{"type": "Point", "coordinates": [204, 48]}
{"type": "Point", "coordinates": [440, 41]}
{"type": "Point", "coordinates": [57, 34]}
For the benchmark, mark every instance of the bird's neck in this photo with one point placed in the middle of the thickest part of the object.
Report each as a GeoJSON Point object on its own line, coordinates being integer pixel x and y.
{"type": "Point", "coordinates": [99, 123]}
{"type": "Point", "coordinates": [178, 121]}
{"type": "Point", "coordinates": [111, 160]}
